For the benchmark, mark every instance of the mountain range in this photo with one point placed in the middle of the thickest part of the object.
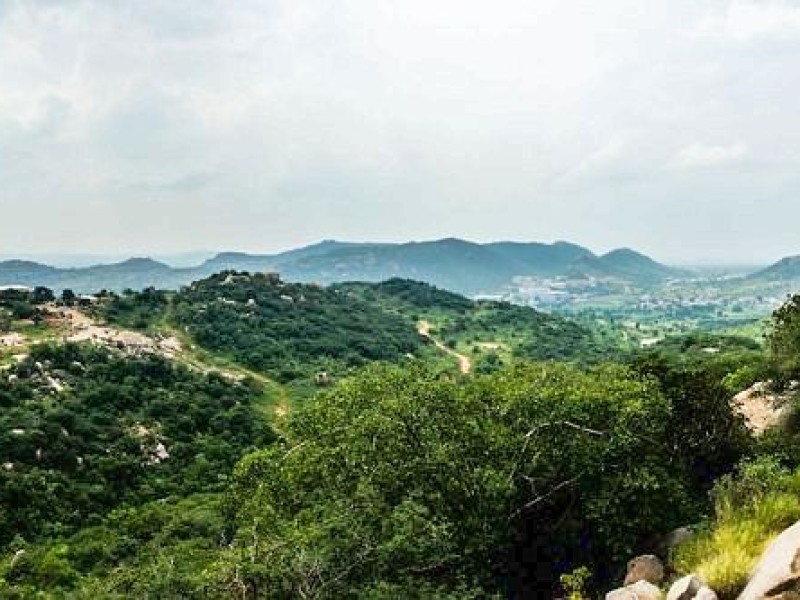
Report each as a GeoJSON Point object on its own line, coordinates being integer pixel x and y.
{"type": "Point", "coordinates": [453, 264]}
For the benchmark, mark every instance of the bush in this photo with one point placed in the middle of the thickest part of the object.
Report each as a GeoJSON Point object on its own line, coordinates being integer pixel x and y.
{"type": "Point", "coordinates": [750, 508]}
{"type": "Point", "coordinates": [399, 475]}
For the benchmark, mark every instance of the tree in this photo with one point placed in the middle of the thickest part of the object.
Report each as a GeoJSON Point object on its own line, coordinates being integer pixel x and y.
{"type": "Point", "coordinates": [401, 479]}
{"type": "Point", "coordinates": [68, 297]}
{"type": "Point", "coordinates": [41, 295]}
{"type": "Point", "coordinates": [784, 340]}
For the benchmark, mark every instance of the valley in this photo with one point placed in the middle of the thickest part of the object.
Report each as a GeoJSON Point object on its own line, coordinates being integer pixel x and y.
{"type": "Point", "coordinates": [144, 434]}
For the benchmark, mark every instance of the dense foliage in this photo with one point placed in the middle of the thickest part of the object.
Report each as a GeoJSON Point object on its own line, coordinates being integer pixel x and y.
{"type": "Point", "coordinates": [399, 481]}
{"type": "Point", "coordinates": [285, 330]}
{"type": "Point", "coordinates": [405, 296]}
{"type": "Point", "coordinates": [784, 340]}
{"type": "Point", "coordinates": [83, 430]}
{"type": "Point", "coordinates": [137, 310]}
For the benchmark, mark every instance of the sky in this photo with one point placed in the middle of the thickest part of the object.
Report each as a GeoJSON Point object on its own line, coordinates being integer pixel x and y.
{"type": "Point", "coordinates": [147, 127]}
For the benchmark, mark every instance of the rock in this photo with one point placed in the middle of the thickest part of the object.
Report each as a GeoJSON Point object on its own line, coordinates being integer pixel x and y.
{"type": "Point", "coordinates": [705, 593]}
{"type": "Point", "coordinates": [641, 590]}
{"type": "Point", "coordinates": [685, 588]}
{"type": "Point", "coordinates": [645, 568]}
{"type": "Point", "coordinates": [18, 556]}
{"type": "Point", "coordinates": [675, 538]}
{"type": "Point", "coordinates": [778, 571]}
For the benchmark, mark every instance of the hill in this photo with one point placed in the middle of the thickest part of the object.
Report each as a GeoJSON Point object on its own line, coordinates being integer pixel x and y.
{"type": "Point", "coordinates": [488, 332]}
{"type": "Point", "coordinates": [451, 263]}
{"type": "Point", "coordinates": [534, 258]}
{"type": "Point", "coordinates": [292, 331]}
{"type": "Point", "coordinates": [86, 429]}
{"type": "Point", "coordinates": [133, 273]}
{"type": "Point", "coordinates": [786, 269]}
{"type": "Point", "coordinates": [624, 264]}
{"type": "Point", "coordinates": [454, 264]}
{"type": "Point", "coordinates": [286, 330]}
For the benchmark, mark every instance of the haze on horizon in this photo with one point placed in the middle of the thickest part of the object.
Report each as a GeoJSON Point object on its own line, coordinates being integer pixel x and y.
{"type": "Point", "coordinates": [148, 128]}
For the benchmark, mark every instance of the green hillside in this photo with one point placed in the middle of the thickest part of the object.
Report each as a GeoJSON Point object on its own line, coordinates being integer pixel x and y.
{"type": "Point", "coordinates": [130, 474]}
{"type": "Point", "coordinates": [487, 330]}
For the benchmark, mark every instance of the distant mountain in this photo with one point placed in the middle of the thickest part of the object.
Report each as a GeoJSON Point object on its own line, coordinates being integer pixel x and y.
{"type": "Point", "coordinates": [134, 273]}
{"type": "Point", "coordinates": [625, 264]}
{"type": "Point", "coordinates": [786, 269]}
{"type": "Point", "coordinates": [241, 261]}
{"type": "Point", "coordinates": [25, 272]}
{"type": "Point", "coordinates": [540, 259]}
{"type": "Point", "coordinates": [452, 264]}
{"type": "Point", "coordinates": [471, 268]}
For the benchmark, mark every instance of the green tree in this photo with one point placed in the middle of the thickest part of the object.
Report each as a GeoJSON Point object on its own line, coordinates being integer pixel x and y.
{"type": "Point", "coordinates": [401, 479]}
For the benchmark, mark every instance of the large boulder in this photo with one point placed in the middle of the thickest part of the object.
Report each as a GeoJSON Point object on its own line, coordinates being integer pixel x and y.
{"type": "Point", "coordinates": [778, 571]}
{"type": "Point", "coordinates": [645, 568]}
{"type": "Point", "coordinates": [641, 590]}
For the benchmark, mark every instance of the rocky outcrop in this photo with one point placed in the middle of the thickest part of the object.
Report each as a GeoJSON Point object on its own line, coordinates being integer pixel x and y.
{"type": "Point", "coordinates": [685, 588]}
{"type": "Point", "coordinates": [641, 590]}
{"type": "Point", "coordinates": [690, 587]}
{"type": "Point", "coordinates": [705, 593]}
{"type": "Point", "coordinates": [777, 574]}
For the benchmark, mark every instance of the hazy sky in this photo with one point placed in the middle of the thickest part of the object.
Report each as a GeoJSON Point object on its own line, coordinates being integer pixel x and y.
{"type": "Point", "coordinates": [152, 126]}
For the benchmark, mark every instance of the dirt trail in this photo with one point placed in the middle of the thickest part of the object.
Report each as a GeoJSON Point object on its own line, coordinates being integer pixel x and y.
{"type": "Point", "coordinates": [464, 362]}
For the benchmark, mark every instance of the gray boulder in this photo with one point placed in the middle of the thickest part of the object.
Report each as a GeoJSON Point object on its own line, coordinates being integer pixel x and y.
{"type": "Point", "coordinates": [778, 571]}
{"type": "Point", "coordinates": [645, 568]}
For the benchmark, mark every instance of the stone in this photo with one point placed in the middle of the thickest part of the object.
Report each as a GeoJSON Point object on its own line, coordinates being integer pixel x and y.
{"type": "Point", "coordinates": [675, 538]}
{"type": "Point", "coordinates": [645, 568]}
{"type": "Point", "coordinates": [641, 590]}
{"type": "Point", "coordinates": [705, 593]}
{"type": "Point", "coordinates": [778, 570]}
{"type": "Point", "coordinates": [685, 588]}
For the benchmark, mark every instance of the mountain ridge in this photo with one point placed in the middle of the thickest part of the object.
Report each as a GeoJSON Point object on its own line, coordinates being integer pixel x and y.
{"type": "Point", "coordinates": [451, 263]}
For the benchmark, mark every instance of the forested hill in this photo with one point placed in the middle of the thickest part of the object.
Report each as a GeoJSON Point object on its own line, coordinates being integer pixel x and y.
{"type": "Point", "coordinates": [290, 331]}
{"type": "Point", "coordinates": [486, 330]}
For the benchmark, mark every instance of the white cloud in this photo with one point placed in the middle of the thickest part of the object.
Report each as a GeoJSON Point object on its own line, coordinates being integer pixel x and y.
{"type": "Point", "coordinates": [745, 20]}
{"type": "Point", "coordinates": [261, 124]}
{"type": "Point", "coordinates": [701, 155]}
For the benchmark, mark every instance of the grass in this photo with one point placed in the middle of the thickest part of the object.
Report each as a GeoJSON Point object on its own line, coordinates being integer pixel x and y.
{"type": "Point", "coordinates": [750, 513]}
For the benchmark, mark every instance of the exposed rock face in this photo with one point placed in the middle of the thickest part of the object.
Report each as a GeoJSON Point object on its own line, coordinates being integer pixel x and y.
{"type": "Point", "coordinates": [778, 572]}
{"type": "Point", "coordinates": [641, 590]}
{"type": "Point", "coordinates": [645, 568]}
{"type": "Point", "coordinates": [685, 588]}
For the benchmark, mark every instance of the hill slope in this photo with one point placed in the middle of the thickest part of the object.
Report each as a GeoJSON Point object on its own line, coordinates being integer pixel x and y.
{"type": "Point", "coordinates": [786, 269]}
{"type": "Point", "coordinates": [624, 264]}
{"type": "Point", "coordinates": [486, 330]}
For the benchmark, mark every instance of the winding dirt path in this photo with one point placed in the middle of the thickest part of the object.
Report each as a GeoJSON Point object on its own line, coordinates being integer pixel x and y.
{"type": "Point", "coordinates": [464, 362]}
